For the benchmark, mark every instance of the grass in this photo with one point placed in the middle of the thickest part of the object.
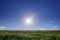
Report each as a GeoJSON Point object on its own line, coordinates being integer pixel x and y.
{"type": "Point", "coordinates": [30, 35]}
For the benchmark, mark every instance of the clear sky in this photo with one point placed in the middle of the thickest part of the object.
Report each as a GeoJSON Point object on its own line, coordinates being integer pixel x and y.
{"type": "Point", "coordinates": [46, 14]}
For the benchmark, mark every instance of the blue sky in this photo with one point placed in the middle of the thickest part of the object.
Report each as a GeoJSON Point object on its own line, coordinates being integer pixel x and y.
{"type": "Point", "coordinates": [46, 14]}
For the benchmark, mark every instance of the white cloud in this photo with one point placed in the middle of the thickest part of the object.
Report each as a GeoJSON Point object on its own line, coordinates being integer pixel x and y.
{"type": "Point", "coordinates": [54, 26]}
{"type": "Point", "coordinates": [50, 21]}
{"type": "Point", "coordinates": [2, 27]}
{"type": "Point", "coordinates": [42, 29]}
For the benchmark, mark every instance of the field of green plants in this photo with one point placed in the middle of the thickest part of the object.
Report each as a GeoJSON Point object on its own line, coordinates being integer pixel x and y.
{"type": "Point", "coordinates": [30, 35]}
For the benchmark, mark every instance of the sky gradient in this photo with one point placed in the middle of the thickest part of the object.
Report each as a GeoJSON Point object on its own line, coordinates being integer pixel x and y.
{"type": "Point", "coordinates": [46, 14]}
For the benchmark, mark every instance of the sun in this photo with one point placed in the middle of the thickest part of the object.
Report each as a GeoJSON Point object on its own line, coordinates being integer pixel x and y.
{"type": "Point", "coordinates": [28, 21]}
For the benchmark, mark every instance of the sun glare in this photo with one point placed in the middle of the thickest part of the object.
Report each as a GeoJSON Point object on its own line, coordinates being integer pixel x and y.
{"type": "Point", "coordinates": [28, 21]}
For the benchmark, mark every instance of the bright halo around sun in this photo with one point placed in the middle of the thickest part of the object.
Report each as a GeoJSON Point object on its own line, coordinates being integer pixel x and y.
{"type": "Point", "coordinates": [28, 21]}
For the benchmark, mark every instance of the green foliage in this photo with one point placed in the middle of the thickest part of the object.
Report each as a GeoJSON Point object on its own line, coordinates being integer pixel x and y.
{"type": "Point", "coordinates": [29, 35]}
